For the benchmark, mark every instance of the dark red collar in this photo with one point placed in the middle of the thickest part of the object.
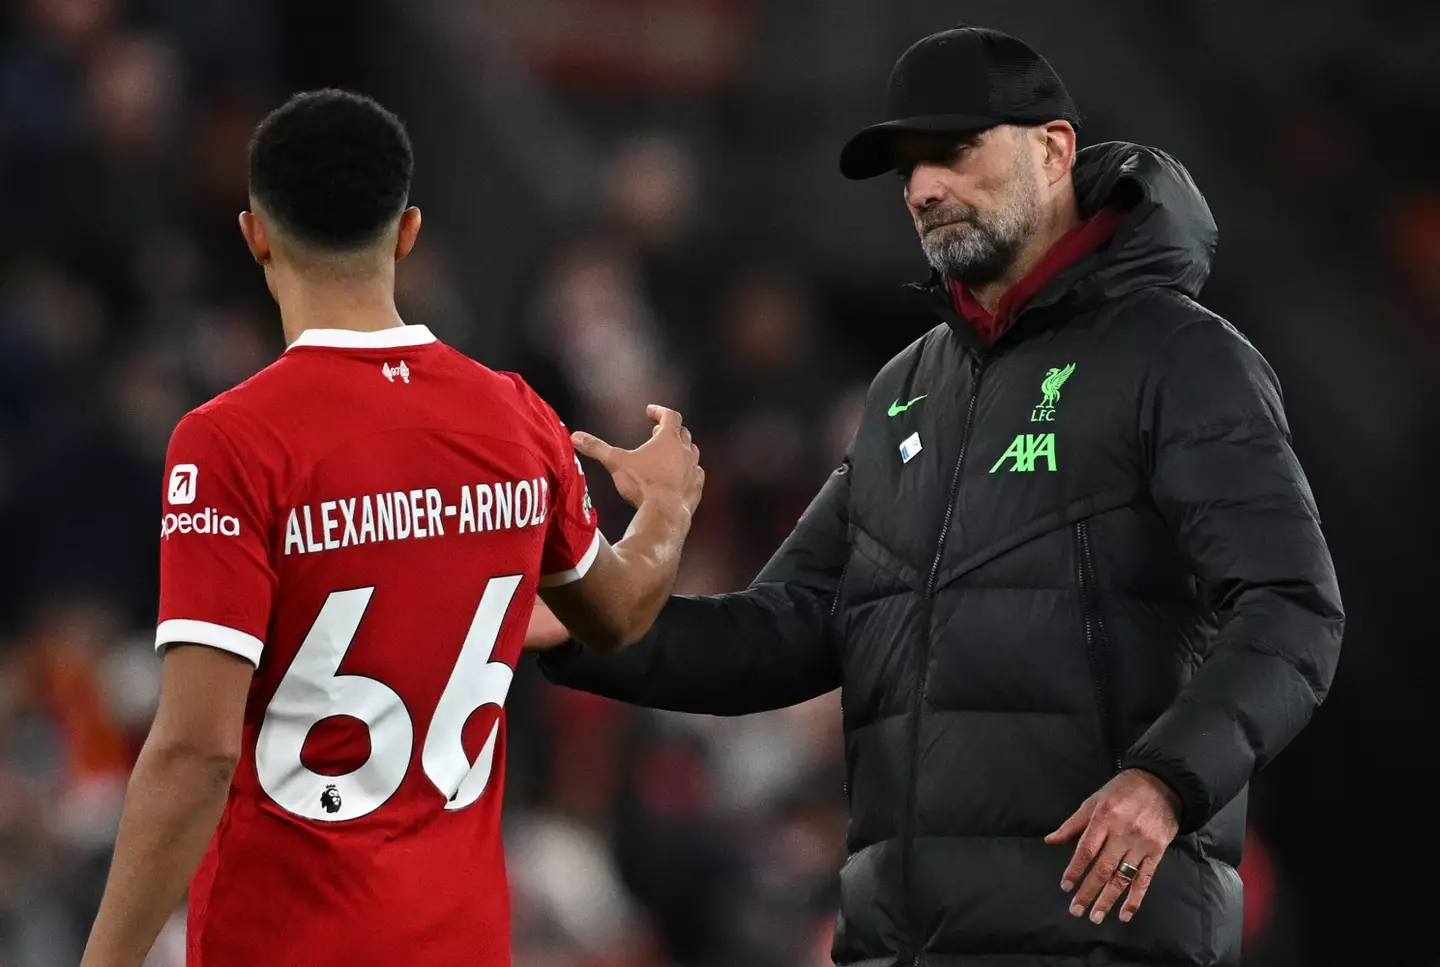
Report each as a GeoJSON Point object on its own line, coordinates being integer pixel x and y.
{"type": "Point", "coordinates": [1074, 245]}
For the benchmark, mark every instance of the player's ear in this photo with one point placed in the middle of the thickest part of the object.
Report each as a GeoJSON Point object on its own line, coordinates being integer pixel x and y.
{"type": "Point", "coordinates": [409, 231]}
{"type": "Point", "coordinates": [256, 238]}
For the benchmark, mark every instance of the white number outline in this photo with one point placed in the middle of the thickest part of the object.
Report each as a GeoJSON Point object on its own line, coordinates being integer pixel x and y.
{"type": "Point", "coordinates": [312, 691]}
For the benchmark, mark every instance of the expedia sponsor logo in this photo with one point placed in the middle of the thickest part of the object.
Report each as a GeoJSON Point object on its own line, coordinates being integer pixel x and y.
{"type": "Point", "coordinates": [204, 521]}
{"type": "Point", "coordinates": [182, 484]}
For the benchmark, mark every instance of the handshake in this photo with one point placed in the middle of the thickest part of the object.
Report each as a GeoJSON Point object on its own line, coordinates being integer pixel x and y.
{"type": "Point", "coordinates": [663, 480]}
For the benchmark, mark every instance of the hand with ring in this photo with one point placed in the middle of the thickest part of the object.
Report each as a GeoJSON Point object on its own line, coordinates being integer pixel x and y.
{"type": "Point", "coordinates": [1124, 830]}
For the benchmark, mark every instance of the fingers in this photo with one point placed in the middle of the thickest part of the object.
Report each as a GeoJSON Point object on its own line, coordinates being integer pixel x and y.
{"type": "Point", "coordinates": [668, 420]}
{"type": "Point", "coordinates": [1116, 886]}
{"type": "Point", "coordinates": [1101, 873]}
{"type": "Point", "coordinates": [594, 448]}
{"type": "Point", "coordinates": [1073, 826]}
{"type": "Point", "coordinates": [1127, 823]}
{"type": "Point", "coordinates": [697, 488]}
{"type": "Point", "coordinates": [685, 437]}
{"type": "Point", "coordinates": [1086, 850]}
{"type": "Point", "coordinates": [658, 465]}
{"type": "Point", "coordinates": [1138, 888]}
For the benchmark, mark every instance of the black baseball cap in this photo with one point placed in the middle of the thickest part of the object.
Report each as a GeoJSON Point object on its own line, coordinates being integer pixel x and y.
{"type": "Point", "coordinates": [957, 82]}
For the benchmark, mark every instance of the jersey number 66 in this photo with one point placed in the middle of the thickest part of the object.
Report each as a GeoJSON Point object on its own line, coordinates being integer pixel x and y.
{"type": "Point", "coordinates": [311, 691]}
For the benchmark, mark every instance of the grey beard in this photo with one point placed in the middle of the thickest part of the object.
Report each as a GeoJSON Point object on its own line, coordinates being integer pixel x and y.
{"type": "Point", "coordinates": [972, 254]}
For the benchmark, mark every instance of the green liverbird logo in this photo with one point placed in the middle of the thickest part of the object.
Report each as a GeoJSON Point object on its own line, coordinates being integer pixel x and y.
{"type": "Point", "coordinates": [1045, 412]}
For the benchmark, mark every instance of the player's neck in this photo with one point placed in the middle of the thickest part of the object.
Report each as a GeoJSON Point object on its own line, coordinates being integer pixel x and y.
{"type": "Point", "coordinates": [366, 306]}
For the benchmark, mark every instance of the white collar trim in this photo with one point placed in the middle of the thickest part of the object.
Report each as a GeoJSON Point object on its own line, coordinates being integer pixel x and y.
{"type": "Point", "coordinates": [391, 338]}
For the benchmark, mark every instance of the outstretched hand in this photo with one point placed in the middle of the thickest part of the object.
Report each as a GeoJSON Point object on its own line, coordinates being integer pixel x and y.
{"type": "Point", "coordinates": [666, 467]}
{"type": "Point", "coordinates": [1124, 830]}
{"type": "Point", "coordinates": [619, 597]}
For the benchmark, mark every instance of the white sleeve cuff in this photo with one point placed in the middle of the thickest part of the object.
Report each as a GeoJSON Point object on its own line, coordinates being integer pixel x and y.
{"type": "Point", "coordinates": [185, 631]}
{"type": "Point", "coordinates": [575, 573]}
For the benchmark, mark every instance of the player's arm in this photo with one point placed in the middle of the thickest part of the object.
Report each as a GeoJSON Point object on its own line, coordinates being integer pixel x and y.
{"type": "Point", "coordinates": [216, 589]}
{"type": "Point", "coordinates": [767, 647]}
{"type": "Point", "coordinates": [625, 585]}
{"type": "Point", "coordinates": [174, 800]}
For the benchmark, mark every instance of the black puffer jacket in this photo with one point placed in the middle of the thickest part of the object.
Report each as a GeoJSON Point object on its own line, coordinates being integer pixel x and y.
{"type": "Point", "coordinates": [1101, 554]}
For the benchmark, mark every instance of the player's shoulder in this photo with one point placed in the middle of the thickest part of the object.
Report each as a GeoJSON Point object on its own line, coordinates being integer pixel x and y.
{"type": "Point", "coordinates": [510, 395]}
{"type": "Point", "coordinates": [242, 402]}
{"type": "Point", "coordinates": [542, 415]}
{"type": "Point", "coordinates": [244, 415]}
{"type": "Point", "coordinates": [495, 380]}
{"type": "Point", "coordinates": [525, 395]}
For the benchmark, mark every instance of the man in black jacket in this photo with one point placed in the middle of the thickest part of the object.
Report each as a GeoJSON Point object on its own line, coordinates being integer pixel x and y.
{"type": "Point", "coordinates": [1070, 549]}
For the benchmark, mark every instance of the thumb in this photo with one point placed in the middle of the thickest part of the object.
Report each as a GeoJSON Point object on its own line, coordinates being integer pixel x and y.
{"type": "Point", "coordinates": [665, 418]}
{"type": "Point", "coordinates": [1075, 825]}
{"type": "Point", "coordinates": [594, 448]}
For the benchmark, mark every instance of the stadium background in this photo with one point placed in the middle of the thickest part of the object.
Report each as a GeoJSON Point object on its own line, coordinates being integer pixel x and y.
{"type": "Point", "coordinates": [631, 200]}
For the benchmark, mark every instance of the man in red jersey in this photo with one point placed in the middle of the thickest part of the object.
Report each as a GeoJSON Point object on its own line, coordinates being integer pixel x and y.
{"type": "Point", "coordinates": [352, 543]}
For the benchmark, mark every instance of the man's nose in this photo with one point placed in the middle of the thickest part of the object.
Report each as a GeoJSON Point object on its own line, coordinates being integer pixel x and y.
{"type": "Point", "coordinates": [924, 188]}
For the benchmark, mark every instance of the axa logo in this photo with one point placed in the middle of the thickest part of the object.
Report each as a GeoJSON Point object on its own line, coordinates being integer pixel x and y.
{"type": "Point", "coordinates": [1026, 451]}
{"type": "Point", "coordinates": [391, 372]}
{"type": "Point", "coordinates": [205, 521]}
{"type": "Point", "coordinates": [1050, 388]}
{"type": "Point", "coordinates": [182, 484]}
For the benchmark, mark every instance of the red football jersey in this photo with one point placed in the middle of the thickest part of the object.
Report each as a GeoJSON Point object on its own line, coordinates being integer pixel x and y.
{"type": "Point", "coordinates": [367, 520]}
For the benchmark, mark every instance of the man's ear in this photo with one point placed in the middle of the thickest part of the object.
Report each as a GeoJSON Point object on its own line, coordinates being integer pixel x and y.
{"type": "Point", "coordinates": [257, 239]}
{"type": "Point", "coordinates": [1059, 150]}
{"type": "Point", "coordinates": [409, 232]}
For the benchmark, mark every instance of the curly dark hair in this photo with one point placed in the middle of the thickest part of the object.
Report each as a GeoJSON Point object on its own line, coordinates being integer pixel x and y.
{"type": "Point", "coordinates": [332, 167]}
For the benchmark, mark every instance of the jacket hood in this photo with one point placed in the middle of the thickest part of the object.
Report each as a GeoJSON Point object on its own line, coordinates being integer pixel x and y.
{"type": "Point", "coordinates": [1168, 236]}
{"type": "Point", "coordinates": [1166, 240]}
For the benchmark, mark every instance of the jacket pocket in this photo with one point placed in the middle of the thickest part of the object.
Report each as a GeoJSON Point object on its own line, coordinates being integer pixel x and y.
{"type": "Point", "coordinates": [1097, 643]}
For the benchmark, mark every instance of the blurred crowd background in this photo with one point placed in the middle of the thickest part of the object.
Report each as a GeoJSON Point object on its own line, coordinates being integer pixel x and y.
{"type": "Point", "coordinates": [637, 200]}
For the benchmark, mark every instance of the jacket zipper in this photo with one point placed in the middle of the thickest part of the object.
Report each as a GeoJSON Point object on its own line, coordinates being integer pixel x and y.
{"type": "Point", "coordinates": [954, 491]}
{"type": "Point", "coordinates": [907, 832]}
{"type": "Point", "coordinates": [839, 586]}
{"type": "Point", "coordinates": [1096, 643]}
